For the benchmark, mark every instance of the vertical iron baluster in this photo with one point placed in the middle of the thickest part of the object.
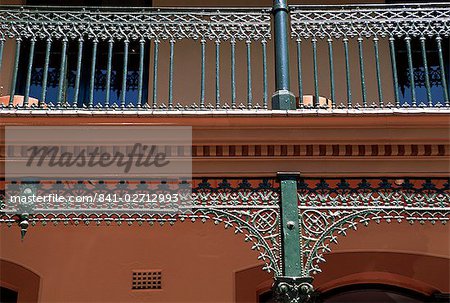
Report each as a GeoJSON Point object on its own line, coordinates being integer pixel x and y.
{"type": "Point", "coordinates": [299, 72]}
{"type": "Point", "coordinates": [29, 71]}
{"type": "Point", "coordinates": [141, 72]}
{"type": "Point", "coordinates": [378, 72]}
{"type": "Point", "coordinates": [15, 72]}
{"type": "Point", "coordinates": [202, 76]}
{"type": "Point", "coordinates": [217, 74]}
{"type": "Point", "coordinates": [2, 46]}
{"type": "Point", "coordinates": [45, 72]}
{"type": "Point", "coordinates": [330, 56]}
{"type": "Point", "coordinates": [93, 63]}
{"type": "Point", "coordinates": [62, 73]}
{"type": "Point", "coordinates": [108, 72]}
{"type": "Point", "coordinates": [442, 68]}
{"type": "Point", "coordinates": [362, 71]}
{"type": "Point", "coordinates": [264, 54]}
{"type": "Point", "coordinates": [394, 70]}
{"type": "Point", "coordinates": [233, 73]}
{"type": "Point", "coordinates": [316, 102]}
{"type": "Point", "coordinates": [425, 66]}
{"type": "Point", "coordinates": [172, 45]}
{"type": "Point", "coordinates": [78, 73]}
{"type": "Point", "coordinates": [155, 74]}
{"type": "Point", "coordinates": [347, 73]}
{"type": "Point", "coordinates": [124, 73]}
{"type": "Point", "coordinates": [249, 75]}
{"type": "Point", "coordinates": [411, 71]}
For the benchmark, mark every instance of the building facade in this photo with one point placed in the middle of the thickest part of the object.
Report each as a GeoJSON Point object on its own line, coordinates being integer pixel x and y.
{"type": "Point", "coordinates": [320, 150]}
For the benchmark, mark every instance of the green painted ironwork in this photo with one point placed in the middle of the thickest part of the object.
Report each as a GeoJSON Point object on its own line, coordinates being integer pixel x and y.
{"type": "Point", "coordinates": [202, 76]}
{"type": "Point", "coordinates": [411, 71]}
{"type": "Point", "coordinates": [378, 72]}
{"type": "Point", "coordinates": [155, 74]}
{"type": "Point", "coordinates": [331, 64]}
{"type": "Point", "coordinates": [299, 72]}
{"type": "Point", "coordinates": [362, 72]}
{"type": "Point", "coordinates": [141, 72]}
{"type": "Point", "coordinates": [283, 98]}
{"type": "Point", "coordinates": [315, 73]}
{"type": "Point", "coordinates": [233, 74]}
{"type": "Point", "coordinates": [93, 66]}
{"type": "Point", "coordinates": [264, 63]}
{"type": "Point", "coordinates": [425, 66]}
{"type": "Point", "coordinates": [394, 70]}
{"type": "Point", "coordinates": [171, 59]}
{"type": "Point", "coordinates": [124, 73]}
{"type": "Point", "coordinates": [347, 74]}
{"type": "Point", "coordinates": [15, 72]}
{"type": "Point", "coordinates": [344, 204]}
{"type": "Point", "coordinates": [2, 46]}
{"type": "Point", "coordinates": [239, 26]}
{"type": "Point", "coordinates": [249, 75]}
{"type": "Point", "coordinates": [78, 76]}
{"type": "Point", "coordinates": [290, 224]}
{"type": "Point", "coordinates": [30, 68]}
{"type": "Point", "coordinates": [108, 72]}
{"type": "Point", "coordinates": [62, 72]}
{"type": "Point", "coordinates": [294, 285]}
{"type": "Point", "coordinates": [45, 73]}
{"type": "Point", "coordinates": [442, 67]}
{"type": "Point", "coordinates": [217, 74]}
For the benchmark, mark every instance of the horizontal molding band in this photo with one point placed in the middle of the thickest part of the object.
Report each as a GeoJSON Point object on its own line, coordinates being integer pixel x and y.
{"type": "Point", "coordinates": [321, 150]}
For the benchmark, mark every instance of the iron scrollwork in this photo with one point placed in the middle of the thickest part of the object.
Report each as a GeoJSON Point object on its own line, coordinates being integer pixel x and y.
{"type": "Point", "coordinates": [330, 208]}
{"type": "Point", "coordinates": [414, 20]}
{"type": "Point", "coordinates": [249, 206]}
{"type": "Point", "coordinates": [126, 25]}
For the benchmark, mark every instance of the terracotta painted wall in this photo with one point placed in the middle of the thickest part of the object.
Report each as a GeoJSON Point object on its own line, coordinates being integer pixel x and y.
{"type": "Point", "coordinates": [206, 263]}
{"type": "Point", "coordinates": [94, 264]}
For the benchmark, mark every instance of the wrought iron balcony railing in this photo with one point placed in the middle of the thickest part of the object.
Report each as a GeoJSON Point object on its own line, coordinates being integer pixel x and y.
{"type": "Point", "coordinates": [347, 57]}
{"type": "Point", "coordinates": [409, 60]}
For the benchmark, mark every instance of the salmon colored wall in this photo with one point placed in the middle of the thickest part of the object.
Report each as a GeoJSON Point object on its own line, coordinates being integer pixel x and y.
{"type": "Point", "coordinates": [94, 263]}
{"type": "Point", "coordinates": [206, 263]}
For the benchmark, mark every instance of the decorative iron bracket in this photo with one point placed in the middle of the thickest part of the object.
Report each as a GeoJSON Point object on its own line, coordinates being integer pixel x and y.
{"type": "Point", "coordinates": [293, 289]}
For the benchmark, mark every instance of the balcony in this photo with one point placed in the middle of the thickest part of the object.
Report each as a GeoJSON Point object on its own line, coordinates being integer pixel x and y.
{"type": "Point", "coordinates": [343, 60]}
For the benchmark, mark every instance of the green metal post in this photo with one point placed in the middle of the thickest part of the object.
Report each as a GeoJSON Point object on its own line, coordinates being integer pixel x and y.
{"type": "Point", "coordinates": [283, 98]}
{"type": "Point", "coordinates": [294, 285]}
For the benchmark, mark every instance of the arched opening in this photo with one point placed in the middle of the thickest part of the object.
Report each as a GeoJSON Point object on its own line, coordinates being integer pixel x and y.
{"type": "Point", "coordinates": [365, 293]}
{"type": "Point", "coordinates": [17, 283]}
{"type": "Point", "coordinates": [371, 293]}
{"type": "Point", "coordinates": [8, 295]}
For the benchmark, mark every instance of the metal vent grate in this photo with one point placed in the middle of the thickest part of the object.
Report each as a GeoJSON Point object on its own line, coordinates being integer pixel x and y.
{"type": "Point", "coordinates": [144, 279]}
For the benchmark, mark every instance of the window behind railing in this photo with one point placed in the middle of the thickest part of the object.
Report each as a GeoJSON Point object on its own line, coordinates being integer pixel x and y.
{"type": "Point", "coordinates": [372, 56]}
{"type": "Point", "coordinates": [70, 74]}
{"type": "Point", "coordinates": [418, 85]}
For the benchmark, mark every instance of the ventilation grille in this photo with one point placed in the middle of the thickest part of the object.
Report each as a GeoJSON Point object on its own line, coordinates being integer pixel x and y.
{"type": "Point", "coordinates": [144, 279]}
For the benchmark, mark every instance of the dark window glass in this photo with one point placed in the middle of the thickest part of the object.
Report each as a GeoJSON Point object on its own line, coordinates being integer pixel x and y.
{"type": "Point", "coordinates": [7, 295]}
{"type": "Point", "coordinates": [71, 66]}
{"type": "Point", "coordinates": [434, 70]}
